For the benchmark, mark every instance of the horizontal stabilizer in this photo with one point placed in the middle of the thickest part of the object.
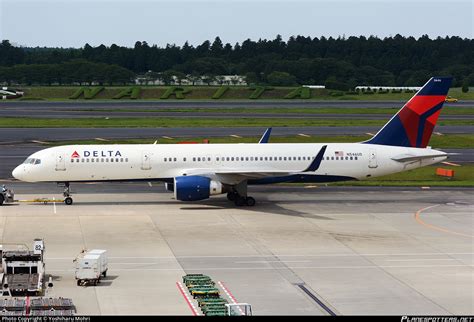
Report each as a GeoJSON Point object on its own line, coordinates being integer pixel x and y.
{"type": "Point", "coordinates": [410, 157]}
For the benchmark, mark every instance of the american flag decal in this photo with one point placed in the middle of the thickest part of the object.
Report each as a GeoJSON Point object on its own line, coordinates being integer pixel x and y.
{"type": "Point", "coordinates": [339, 153]}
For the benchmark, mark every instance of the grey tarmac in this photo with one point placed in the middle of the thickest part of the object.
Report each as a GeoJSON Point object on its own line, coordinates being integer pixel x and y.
{"type": "Point", "coordinates": [19, 135]}
{"type": "Point", "coordinates": [359, 250]}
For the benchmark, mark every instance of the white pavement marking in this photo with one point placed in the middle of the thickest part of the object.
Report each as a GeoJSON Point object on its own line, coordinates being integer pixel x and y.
{"type": "Point", "coordinates": [272, 268]}
{"type": "Point", "coordinates": [101, 139]}
{"type": "Point", "coordinates": [230, 296]}
{"type": "Point", "coordinates": [167, 137]}
{"type": "Point", "coordinates": [438, 133]}
{"type": "Point", "coordinates": [235, 136]}
{"type": "Point", "coordinates": [149, 183]}
{"type": "Point", "coordinates": [187, 298]}
{"type": "Point", "coordinates": [420, 259]}
{"type": "Point", "coordinates": [250, 262]}
{"type": "Point", "coordinates": [371, 134]}
{"type": "Point", "coordinates": [37, 141]}
{"type": "Point", "coordinates": [54, 205]}
{"type": "Point", "coordinates": [304, 135]}
{"type": "Point", "coordinates": [450, 163]}
{"type": "Point", "coordinates": [277, 255]}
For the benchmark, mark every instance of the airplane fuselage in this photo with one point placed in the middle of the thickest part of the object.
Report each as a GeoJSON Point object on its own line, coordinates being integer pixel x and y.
{"type": "Point", "coordinates": [341, 161]}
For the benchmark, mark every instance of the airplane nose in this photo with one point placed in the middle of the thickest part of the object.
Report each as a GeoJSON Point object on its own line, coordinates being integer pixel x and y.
{"type": "Point", "coordinates": [18, 172]}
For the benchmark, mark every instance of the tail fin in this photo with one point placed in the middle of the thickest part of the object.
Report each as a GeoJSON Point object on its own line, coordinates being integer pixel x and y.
{"type": "Point", "coordinates": [413, 125]}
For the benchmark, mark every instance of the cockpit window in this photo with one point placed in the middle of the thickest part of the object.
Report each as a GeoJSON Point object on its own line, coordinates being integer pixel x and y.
{"type": "Point", "coordinates": [32, 161]}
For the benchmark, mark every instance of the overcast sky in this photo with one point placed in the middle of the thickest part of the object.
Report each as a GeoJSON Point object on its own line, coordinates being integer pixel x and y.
{"type": "Point", "coordinates": [72, 23]}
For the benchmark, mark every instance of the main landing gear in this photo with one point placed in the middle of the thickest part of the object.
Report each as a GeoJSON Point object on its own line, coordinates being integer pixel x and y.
{"type": "Point", "coordinates": [67, 194]}
{"type": "Point", "coordinates": [240, 200]}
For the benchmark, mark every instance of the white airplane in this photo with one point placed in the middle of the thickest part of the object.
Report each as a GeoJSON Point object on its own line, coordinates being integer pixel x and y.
{"type": "Point", "coordinates": [198, 171]}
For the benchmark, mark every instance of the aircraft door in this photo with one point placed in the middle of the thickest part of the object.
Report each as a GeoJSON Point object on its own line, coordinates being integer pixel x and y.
{"type": "Point", "coordinates": [60, 162]}
{"type": "Point", "coordinates": [372, 158]}
{"type": "Point", "coordinates": [146, 160]}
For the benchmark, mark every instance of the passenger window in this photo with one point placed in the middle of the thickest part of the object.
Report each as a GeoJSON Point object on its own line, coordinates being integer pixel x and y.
{"type": "Point", "coordinates": [121, 159]}
{"type": "Point", "coordinates": [111, 159]}
{"type": "Point", "coordinates": [332, 158]}
{"type": "Point", "coordinates": [246, 158]}
{"type": "Point", "coordinates": [352, 158]}
{"type": "Point", "coordinates": [217, 159]}
{"type": "Point", "coordinates": [355, 158]}
{"type": "Point", "coordinates": [199, 158]}
{"type": "Point", "coordinates": [174, 159]}
{"type": "Point", "coordinates": [299, 158]}
{"type": "Point", "coordinates": [97, 160]}
{"type": "Point", "coordinates": [82, 160]}
{"type": "Point", "coordinates": [126, 159]}
{"type": "Point", "coordinates": [184, 159]}
{"type": "Point", "coordinates": [165, 159]}
{"type": "Point", "coordinates": [92, 160]}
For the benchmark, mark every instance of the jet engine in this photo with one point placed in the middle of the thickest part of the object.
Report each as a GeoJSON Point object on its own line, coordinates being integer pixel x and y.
{"type": "Point", "coordinates": [192, 188]}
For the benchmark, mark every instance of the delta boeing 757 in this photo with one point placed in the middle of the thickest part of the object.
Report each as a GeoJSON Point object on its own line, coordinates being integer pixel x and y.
{"type": "Point", "coordinates": [198, 171]}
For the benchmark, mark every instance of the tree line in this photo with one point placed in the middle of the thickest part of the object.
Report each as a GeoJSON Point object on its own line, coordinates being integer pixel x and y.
{"type": "Point", "coordinates": [341, 62]}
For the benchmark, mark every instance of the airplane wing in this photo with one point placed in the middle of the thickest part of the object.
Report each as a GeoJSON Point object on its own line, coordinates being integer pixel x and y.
{"type": "Point", "coordinates": [234, 176]}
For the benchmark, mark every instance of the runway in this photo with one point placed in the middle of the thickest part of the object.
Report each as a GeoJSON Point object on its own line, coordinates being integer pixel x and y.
{"type": "Point", "coordinates": [19, 135]}
{"type": "Point", "coordinates": [172, 109]}
{"type": "Point", "coordinates": [359, 251]}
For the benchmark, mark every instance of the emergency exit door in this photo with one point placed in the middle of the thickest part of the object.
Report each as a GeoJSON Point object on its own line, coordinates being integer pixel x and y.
{"type": "Point", "coordinates": [60, 162]}
{"type": "Point", "coordinates": [372, 159]}
{"type": "Point", "coordinates": [146, 160]}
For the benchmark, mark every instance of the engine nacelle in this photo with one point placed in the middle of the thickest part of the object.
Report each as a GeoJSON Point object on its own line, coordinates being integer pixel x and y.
{"type": "Point", "coordinates": [192, 188]}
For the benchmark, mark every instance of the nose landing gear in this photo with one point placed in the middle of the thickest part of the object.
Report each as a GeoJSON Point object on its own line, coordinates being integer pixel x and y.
{"type": "Point", "coordinates": [67, 194]}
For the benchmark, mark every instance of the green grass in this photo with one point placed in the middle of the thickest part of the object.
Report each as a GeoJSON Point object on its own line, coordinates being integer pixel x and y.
{"type": "Point", "coordinates": [458, 141]}
{"type": "Point", "coordinates": [463, 177]}
{"type": "Point", "coordinates": [206, 92]}
{"type": "Point", "coordinates": [191, 122]}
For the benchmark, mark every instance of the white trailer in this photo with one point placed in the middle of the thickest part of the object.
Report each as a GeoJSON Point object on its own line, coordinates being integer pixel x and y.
{"type": "Point", "coordinates": [91, 266]}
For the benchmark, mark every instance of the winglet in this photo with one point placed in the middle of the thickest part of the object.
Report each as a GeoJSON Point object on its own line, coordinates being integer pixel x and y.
{"type": "Point", "coordinates": [317, 161]}
{"type": "Point", "coordinates": [266, 136]}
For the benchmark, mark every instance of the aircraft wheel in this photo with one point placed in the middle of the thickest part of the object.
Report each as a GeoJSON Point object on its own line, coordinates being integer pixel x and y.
{"type": "Point", "coordinates": [250, 201]}
{"type": "Point", "coordinates": [231, 196]}
{"type": "Point", "coordinates": [239, 201]}
{"type": "Point", "coordinates": [68, 201]}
